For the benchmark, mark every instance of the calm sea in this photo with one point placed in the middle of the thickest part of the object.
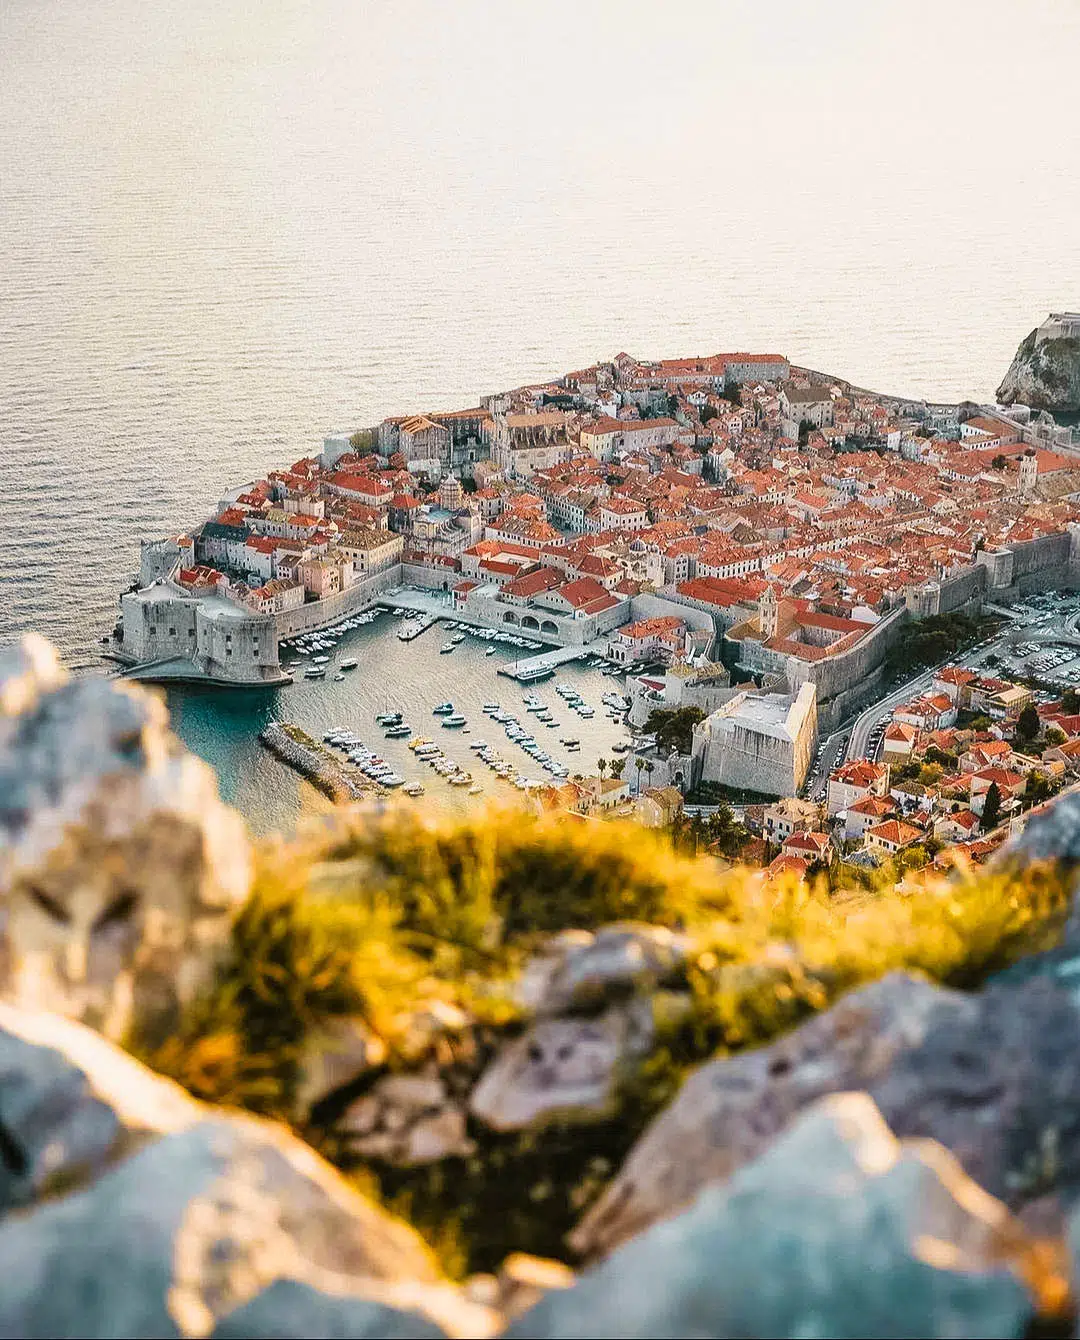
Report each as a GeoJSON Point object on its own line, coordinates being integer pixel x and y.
{"type": "Point", "coordinates": [227, 229]}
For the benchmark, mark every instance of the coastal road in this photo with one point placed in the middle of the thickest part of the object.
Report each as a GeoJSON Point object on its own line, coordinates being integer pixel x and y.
{"type": "Point", "coordinates": [832, 753]}
{"type": "Point", "coordinates": [920, 684]}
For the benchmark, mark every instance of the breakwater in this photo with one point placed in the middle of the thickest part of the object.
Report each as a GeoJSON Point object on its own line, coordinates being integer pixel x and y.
{"type": "Point", "coordinates": [316, 765]}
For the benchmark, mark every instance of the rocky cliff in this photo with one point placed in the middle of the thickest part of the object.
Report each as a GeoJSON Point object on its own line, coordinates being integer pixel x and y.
{"type": "Point", "coordinates": [507, 1076]}
{"type": "Point", "coordinates": [1044, 375]}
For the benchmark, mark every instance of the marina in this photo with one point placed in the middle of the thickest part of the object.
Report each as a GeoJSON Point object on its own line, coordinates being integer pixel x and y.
{"type": "Point", "coordinates": [402, 682]}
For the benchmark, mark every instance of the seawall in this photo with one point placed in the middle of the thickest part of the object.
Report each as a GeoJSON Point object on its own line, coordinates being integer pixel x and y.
{"type": "Point", "coordinates": [313, 763]}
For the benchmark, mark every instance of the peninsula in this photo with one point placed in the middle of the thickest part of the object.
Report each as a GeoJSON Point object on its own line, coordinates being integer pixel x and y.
{"type": "Point", "coordinates": [648, 508]}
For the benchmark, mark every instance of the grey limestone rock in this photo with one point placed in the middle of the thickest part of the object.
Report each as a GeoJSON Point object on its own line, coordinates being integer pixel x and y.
{"type": "Point", "coordinates": [181, 1233]}
{"type": "Point", "coordinates": [406, 1120]}
{"type": "Point", "coordinates": [119, 865]}
{"type": "Point", "coordinates": [134, 1210]}
{"type": "Point", "coordinates": [729, 1110]}
{"type": "Point", "coordinates": [1043, 375]}
{"type": "Point", "coordinates": [289, 1308]}
{"type": "Point", "coordinates": [71, 1104]}
{"type": "Point", "coordinates": [565, 1069]}
{"type": "Point", "coordinates": [991, 1076]}
{"type": "Point", "coordinates": [1051, 834]}
{"type": "Point", "coordinates": [333, 1057]}
{"type": "Point", "coordinates": [838, 1230]}
{"type": "Point", "coordinates": [614, 962]}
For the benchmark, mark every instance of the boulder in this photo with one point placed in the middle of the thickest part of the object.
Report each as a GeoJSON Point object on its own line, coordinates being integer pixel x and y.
{"type": "Point", "coordinates": [523, 1280]}
{"type": "Point", "coordinates": [119, 865]}
{"type": "Point", "coordinates": [838, 1230]}
{"type": "Point", "coordinates": [71, 1104]}
{"type": "Point", "coordinates": [990, 1076]}
{"type": "Point", "coordinates": [406, 1120]}
{"type": "Point", "coordinates": [334, 1056]}
{"type": "Point", "coordinates": [729, 1110]}
{"type": "Point", "coordinates": [289, 1308]}
{"type": "Point", "coordinates": [1051, 834]}
{"type": "Point", "coordinates": [135, 1210]}
{"type": "Point", "coordinates": [563, 1069]}
{"type": "Point", "coordinates": [586, 971]}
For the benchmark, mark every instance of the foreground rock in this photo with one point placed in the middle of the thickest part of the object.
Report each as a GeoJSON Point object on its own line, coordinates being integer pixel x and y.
{"type": "Point", "coordinates": [1044, 375]}
{"type": "Point", "coordinates": [119, 865]}
{"type": "Point", "coordinates": [564, 1069]}
{"type": "Point", "coordinates": [838, 1230]}
{"type": "Point", "coordinates": [992, 1076]}
{"type": "Point", "coordinates": [585, 970]}
{"type": "Point", "coordinates": [164, 1217]}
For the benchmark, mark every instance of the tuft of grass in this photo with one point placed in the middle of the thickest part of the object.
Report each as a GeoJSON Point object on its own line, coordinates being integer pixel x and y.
{"type": "Point", "coordinates": [370, 915]}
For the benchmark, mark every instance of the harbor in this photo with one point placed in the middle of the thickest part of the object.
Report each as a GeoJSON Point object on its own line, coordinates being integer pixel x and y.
{"type": "Point", "coordinates": [366, 671]}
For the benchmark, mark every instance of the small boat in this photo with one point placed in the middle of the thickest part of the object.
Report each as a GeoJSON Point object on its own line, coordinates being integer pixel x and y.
{"type": "Point", "coordinates": [490, 651]}
{"type": "Point", "coordinates": [350, 664]}
{"type": "Point", "coordinates": [491, 707]}
{"type": "Point", "coordinates": [389, 718]}
{"type": "Point", "coordinates": [414, 789]}
{"type": "Point", "coordinates": [315, 672]}
{"type": "Point", "coordinates": [339, 677]}
{"type": "Point", "coordinates": [458, 637]}
{"type": "Point", "coordinates": [320, 660]}
{"type": "Point", "coordinates": [476, 790]}
{"type": "Point", "coordinates": [460, 779]}
{"type": "Point", "coordinates": [454, 720]}
{"type": "Point", "coordinates": [420, 743]}
{"type": "Point", "coordinates": [398, 732]}
{"type": "Point", "coordinates": [446, 647]}
{"type": "Point", "coordinates": [443, 709]}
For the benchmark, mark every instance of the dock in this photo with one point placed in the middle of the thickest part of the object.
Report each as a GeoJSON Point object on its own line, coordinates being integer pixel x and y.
{"type": "Point", "coordinates": [545, 662]}
{"type": "Point", "coordinates": [414, 627]}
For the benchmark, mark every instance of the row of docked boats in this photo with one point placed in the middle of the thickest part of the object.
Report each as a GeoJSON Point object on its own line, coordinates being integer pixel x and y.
{"type": "Point", "coordinates": [318, 645]}
{"type": "Point", "coordinates": [368, 761]}
{"type": "Point", "coordinates": [519, 734]}
{"type": "Point", "coordinates": [492, 635]}
{"type": "Point", "coordinates": [427, 751]}
{"type": "Point", "coordinates": [575, 701]}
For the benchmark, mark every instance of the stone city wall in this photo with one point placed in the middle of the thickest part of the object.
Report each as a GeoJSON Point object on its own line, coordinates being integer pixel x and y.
{"type": "Point", "coordinates": [850, 677]}
{"type": "Point", "coordinates": [319, 613]}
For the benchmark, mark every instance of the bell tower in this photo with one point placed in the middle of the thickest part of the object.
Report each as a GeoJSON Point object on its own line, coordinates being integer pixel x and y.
{"type": "Point", "coordinates": [1029, 473]}
{"type": "Point", "coordinates": [768, 612]}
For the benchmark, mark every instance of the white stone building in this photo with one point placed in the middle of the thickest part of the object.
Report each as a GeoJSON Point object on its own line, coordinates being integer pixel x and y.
{"type": "Point", "coordinates": [759, 742]}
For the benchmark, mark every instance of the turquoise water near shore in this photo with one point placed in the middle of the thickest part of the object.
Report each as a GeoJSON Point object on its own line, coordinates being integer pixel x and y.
{"type": "Point", "coordinates": [410, 677]}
